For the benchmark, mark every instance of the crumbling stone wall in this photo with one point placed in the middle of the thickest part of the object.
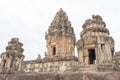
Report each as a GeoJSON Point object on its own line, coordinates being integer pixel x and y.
{"type": "Point", "coordinates": [58, 65]}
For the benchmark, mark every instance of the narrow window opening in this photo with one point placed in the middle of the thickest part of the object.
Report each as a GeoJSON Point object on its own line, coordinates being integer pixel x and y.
{"type": "Point", "coordinates": [92, 56]}
{"type": "Point", "coordinates": [54, 50]}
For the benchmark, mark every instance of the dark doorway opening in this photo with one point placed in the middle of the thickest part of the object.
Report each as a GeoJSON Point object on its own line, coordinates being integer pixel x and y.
{"type": "Point", "coordinates": [54, 50]}
{"type": "Point", "coordinates": [92, 56]}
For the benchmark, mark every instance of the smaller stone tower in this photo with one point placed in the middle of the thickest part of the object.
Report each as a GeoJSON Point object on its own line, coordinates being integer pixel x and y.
{"type": "Point", "coordinates": [11, 60]}
{"type": "Point", "coordinates": [60, 36]}
{"type": "Point", "coordinates": [95, 45]}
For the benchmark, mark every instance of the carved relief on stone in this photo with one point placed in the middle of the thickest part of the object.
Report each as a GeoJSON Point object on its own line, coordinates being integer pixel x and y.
{"type": "Point", "coordinates": [95, 42]}
{"type": "Point", "coordinates": [59, 34]}
{"type": "Point", "coordinates": [11, 60]}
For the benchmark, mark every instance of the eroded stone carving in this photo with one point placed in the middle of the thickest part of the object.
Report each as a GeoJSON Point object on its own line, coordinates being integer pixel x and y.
{"type": "Point", "coordinates": [60, 36]}
{"type": "Point", "coordinates": [11, 60]}
{"type": "Point", "coordinates": [95, 45]}
{"type": "Point", "coordinates": [39, 58]}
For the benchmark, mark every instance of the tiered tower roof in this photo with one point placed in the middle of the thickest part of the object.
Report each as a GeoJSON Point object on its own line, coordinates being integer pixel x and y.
{"type": "Point", "coordinates": [96, 24]}
{"type": "Point", "coordinates": [61, 24]}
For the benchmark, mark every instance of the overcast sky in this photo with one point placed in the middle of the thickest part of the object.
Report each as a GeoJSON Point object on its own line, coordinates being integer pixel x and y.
{"type": "Point", "coordinates": [28, 20]}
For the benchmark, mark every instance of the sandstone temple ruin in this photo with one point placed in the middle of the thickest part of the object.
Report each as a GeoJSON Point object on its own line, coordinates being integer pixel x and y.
{"type": "Point", "coordinates": [95, 47]}
{"type": "Point", "coordinates": [12, 59]}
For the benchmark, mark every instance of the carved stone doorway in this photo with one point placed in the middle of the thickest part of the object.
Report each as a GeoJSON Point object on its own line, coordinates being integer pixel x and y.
{"type": "Point", "coordinates": [92, 56]}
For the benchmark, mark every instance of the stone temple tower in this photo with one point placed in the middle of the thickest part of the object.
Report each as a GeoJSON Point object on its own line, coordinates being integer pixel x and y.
{"type": "Point", "coordinates": [60, 36]}
{"type": "Point", "coordinates": [95, 45]}
{"type": "Point", "coordinates": [11, 60]}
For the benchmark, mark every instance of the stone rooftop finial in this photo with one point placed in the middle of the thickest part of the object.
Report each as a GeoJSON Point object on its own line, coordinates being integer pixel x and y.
{"type": "Point", "coordinates": [61, 9]}
{"type": "Point", "coordinates": [61, 12]}
{"type": "Point", "coordinates": [14, 39]}
{"type": "Point", "coordinates": [97, 17]}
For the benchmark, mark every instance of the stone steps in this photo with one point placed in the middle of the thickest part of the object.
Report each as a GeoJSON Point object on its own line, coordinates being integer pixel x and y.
{"type": "Point", "coordinates": [91, 68]}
